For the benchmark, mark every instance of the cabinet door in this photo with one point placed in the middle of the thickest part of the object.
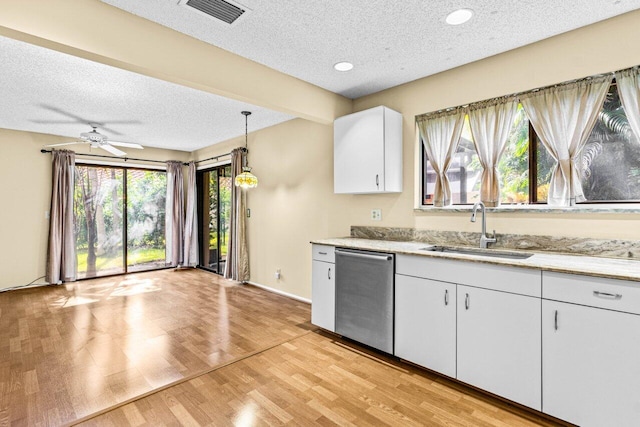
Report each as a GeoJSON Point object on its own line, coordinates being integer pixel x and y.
{"type": "Point", "coordinates": [425, 323]}
{"type": "Point", "coordinates": [499, 343]}
{"type": "Point", "coordinates": [591, 365]}
{"type": "Point", "coordinates": [359, 152]}
{"type": "Point", "coordinates": [323, 295]}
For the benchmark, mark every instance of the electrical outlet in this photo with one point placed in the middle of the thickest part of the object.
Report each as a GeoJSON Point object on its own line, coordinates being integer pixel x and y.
{"type": "Point", "coordinates": [278, 274]}
{"type": "Point", "coordinates": [376, 214]}
{"type": "Point", "coordinates": [248, 213]}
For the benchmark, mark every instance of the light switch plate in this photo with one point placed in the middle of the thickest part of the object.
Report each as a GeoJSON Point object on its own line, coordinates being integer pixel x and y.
{"type": "Point", "coordinates": [376, 214]}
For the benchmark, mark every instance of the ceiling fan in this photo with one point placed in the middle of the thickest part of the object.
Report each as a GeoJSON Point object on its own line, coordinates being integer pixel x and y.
{"type": "Point", "coordinates": [98, 140]}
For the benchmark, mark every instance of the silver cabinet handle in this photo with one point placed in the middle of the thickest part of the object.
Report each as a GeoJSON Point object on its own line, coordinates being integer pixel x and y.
{"type": "Point", "coordinates": [555, 320]}
{"type": "Point", "coordinates": [446, 297]}
{"type": "Point", "coordinates": [377, 180]}
{"type": "Point", "coordinates": [466, 302]}
{"type": "Point", "coordinates": [322, 253]}
{"type": "Point", "coordinates": [329, 273]}
{"type": "Point", "coordinates": [606, 295]}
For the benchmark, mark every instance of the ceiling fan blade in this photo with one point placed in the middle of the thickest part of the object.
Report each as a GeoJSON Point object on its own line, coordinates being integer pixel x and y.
{"type": "Point", "coordinates": [54, 122]}
{"type": "Point", "coordinates": [126, 144]}
{"type": "Point", "coordinates": [63, 112]}
{"type": "Point", "coordinates": [112, 150]}
{"type": "Point", "coordinates": [65, 143]}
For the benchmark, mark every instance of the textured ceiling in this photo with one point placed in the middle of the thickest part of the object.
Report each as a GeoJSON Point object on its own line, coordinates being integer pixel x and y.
{"type": "Point", "coordinates": [389, 41]}
{"type": "Point", "coordinates": [50, 92]}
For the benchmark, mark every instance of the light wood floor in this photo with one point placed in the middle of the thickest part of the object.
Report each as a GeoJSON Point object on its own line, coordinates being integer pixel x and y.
{"type": "Point", "coordinates": [68, 352]}
{"type": "Point", "coordinates": [204, 351]}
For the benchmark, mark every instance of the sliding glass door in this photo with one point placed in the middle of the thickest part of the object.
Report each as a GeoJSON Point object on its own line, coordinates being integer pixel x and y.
{"type": "Point", "coordinates": [98, 217]}
{"type": "Point", "coordinates": [214, 204]}
{"type": "Point", "coordinates": [146, 201]}
{"type": "Point", "coordinates": [115, 205]}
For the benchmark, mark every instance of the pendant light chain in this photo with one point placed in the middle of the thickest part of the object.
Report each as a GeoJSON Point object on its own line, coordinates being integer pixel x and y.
{"type": "Point", "coordinates": [246, 136]}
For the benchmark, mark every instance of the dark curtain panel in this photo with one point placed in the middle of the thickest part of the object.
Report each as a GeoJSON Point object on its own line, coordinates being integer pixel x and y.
{"type": "Point", "coordinates": [237, 265]}
{"type": "Point", "coordinates": [61, 253]}
{"type": "Point", "coordinates": [191, 220]}
{"type": "Point", "coordinates": [174, 214]}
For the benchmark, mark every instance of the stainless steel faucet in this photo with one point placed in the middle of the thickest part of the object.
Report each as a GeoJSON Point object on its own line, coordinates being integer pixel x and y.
{"type": "Point", "coordinates": [484, 240]}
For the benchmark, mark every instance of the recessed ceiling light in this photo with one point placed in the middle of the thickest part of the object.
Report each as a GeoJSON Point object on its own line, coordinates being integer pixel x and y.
{"type": "Point", "coordinates": [343, 66]}
{"type": "Point", "coordinates": [459, 16]}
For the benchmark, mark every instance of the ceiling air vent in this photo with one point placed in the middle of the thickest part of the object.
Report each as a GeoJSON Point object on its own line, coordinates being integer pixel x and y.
{"type": "Point", "coordinates": [222, 10]}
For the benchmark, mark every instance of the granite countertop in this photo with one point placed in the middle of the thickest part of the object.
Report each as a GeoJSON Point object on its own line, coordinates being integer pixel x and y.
{"type": "Point", "coordinates": [587, 265]}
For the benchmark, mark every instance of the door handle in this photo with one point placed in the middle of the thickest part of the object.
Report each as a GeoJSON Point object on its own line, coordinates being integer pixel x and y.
{"type": "Point", "coordinates": [446, 297]}
{"type": "Point", "coordinates": [377, 180]}
{"type": "Point", "coordinates": [555, 320]}
{"type": "Point", "coordinates": [329, 273]}
{"type": "Point", "coordinates": [466, 302]}
{"type": "Point", "coordinates": [607, 295]}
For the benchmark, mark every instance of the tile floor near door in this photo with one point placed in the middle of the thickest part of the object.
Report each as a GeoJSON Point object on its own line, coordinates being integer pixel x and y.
{"type": "Point", "coordinates": [187, 347]}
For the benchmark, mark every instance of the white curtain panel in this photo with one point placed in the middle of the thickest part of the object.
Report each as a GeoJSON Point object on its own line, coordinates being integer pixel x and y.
{"type": "Point", "coordinates": [629, 90]}
{"type": "Point", "coordinates": [191, 220]}
{"type": "Point", "coordinates": [563, 117]}
{"type": "Point", "coordinates": [174, 214]}
{"type": "Point", "coordinates": [61, 251]}
{"type": "Point", "coordinates": [441, 134]}
{"type": "Point", "coordinates": [490, 124]}
{"type": "Point", "coordinates": [237, 265]}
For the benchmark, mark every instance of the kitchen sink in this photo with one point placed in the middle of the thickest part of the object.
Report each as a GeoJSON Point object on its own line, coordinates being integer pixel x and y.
{"type": "Point", "coordinates": [477, 252]}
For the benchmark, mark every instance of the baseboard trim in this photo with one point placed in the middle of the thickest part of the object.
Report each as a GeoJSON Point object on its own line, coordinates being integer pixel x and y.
{"type": "Point", "coordinates": [34, 285]}
{"type": "Point", "coordinates": [279, 292]}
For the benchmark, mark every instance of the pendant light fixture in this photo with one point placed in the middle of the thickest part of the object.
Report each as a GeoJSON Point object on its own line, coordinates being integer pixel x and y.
{"type": "Point", "coordinates": [246, 179]}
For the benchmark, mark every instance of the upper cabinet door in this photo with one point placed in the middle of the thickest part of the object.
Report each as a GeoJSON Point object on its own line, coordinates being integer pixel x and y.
{"type": "Point", "coordinates": [368, 152]}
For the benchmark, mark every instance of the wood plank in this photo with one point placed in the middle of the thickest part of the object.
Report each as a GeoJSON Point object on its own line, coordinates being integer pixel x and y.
{"type": "Point", "coordinates": [334, 391]}
{"type": "Point", "coordinates": [93, 344]}
{"type": "Point", "coordinates": [195, 349]}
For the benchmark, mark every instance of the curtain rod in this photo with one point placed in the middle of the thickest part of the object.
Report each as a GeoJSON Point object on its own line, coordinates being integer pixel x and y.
{"type": "Point", "coordinates": [145, 160]}
{"type": "Point", "coordinates": [517, 94]}
{"type": "Point", "coordinates": [220, 155]}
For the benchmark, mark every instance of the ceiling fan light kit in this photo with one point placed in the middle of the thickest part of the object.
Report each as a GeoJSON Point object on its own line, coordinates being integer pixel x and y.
{"type": "Point", "coordinates": [98, 140]}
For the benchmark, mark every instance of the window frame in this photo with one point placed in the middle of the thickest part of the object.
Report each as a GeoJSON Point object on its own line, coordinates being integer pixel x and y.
{"type": "Point", "coordinates": [534, 141]}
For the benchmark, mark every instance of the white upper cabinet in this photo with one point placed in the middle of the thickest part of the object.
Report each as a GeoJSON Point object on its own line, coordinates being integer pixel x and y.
{"type": "Point", "coordinates": [367, 152]}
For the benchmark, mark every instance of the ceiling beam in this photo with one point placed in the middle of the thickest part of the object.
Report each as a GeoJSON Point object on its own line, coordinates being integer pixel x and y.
{"type": "Point", "coordinates": [102, 33]}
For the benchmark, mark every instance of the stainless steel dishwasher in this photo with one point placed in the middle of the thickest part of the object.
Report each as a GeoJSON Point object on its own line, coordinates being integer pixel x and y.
{"type": "Point", "coordinates": [364, 297]}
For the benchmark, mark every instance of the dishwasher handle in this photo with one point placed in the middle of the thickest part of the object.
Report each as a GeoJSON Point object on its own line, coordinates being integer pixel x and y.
{"type": "Point", "coordinates": [381, 257]}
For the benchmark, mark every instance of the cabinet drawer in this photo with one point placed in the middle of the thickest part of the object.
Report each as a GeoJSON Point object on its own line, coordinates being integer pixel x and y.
{"type": "Point", "coordinates": [612, 294]}
{"type": "Point", "coordinates": [516, 280]}
{"type": "Point", "coordinates": [324, 253]}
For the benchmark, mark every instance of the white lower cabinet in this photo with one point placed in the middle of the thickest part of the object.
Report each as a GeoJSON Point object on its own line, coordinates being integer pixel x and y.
{"type": "Point", "coordinates": [489, 335]}
{"type": "Point", "coordinates": [591, 365]}
{"type": "Point", "coordinates": [564, 344]}
{"type": "Point", "coordinates": [499, 344]}
{"type": "Point", "coordinates": [323, 295]}
{"type": "Point", "coordinates": [425, 323]}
